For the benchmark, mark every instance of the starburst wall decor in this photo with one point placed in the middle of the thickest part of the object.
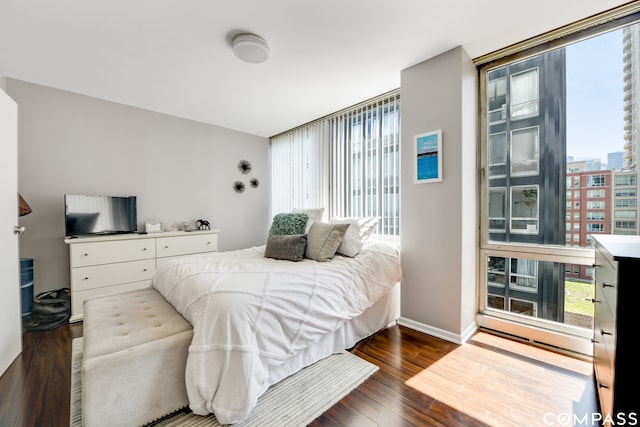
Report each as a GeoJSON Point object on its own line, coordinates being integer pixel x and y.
{"type": "Point", "coordinates": [244, 166]}
{"type": "Point", "coordinates": [238, 186]}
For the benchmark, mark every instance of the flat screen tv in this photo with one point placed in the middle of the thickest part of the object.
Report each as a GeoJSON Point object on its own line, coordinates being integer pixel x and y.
{"type": "Point", "coordinates": [87, 215]}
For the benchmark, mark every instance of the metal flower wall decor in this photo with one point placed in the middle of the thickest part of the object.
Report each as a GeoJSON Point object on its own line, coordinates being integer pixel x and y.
{"type": "Point", "coordinates": [244, 166]}
{"type": "Point", "coordinates": [238, 186]}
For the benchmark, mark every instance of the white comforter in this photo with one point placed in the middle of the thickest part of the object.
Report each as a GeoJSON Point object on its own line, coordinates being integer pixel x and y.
{"type": "Point", "coordinates": [250, 314]}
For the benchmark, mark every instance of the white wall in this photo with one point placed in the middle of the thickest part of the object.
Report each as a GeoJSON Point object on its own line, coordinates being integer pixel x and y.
{"type": "Point", "coordinates": [439, 220]}
{"type": "Point", "coordinates": [179, 170]}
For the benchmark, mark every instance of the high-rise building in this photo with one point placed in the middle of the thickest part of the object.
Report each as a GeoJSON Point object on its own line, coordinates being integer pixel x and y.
{"type": "Point", "coordinates": [631, 58]}
{"type": "Point", "coordinates": [615, 161]}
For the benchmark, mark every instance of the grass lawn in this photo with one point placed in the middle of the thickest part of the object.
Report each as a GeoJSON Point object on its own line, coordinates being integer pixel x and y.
{"type": "Point", "coordinates": [577, 297]}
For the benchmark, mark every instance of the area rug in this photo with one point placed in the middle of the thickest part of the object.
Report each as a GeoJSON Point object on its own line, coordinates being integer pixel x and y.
{"type": "Point", "coordinates": [294, 401]}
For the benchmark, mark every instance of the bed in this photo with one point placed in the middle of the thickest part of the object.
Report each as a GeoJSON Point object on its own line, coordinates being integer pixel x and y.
{"type": "Point", "coordinates": [257, 320]}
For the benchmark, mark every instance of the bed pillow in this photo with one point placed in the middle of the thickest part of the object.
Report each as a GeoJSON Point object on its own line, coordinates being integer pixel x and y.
{"type": "Point", "coordinates": [360, 229]}
{"type": "Point", "coordinates": [351, 242]}
{"type": "Point", "coordinates": [323, 240]}
{"type": "Point", "coordinates": [289, 223]}
{"type": "Point", "coordinates": [368, 225]}
{"type": "Point", "coordinates": [315, 215]}
{"type": "Point", "coordinates": [290, 247]}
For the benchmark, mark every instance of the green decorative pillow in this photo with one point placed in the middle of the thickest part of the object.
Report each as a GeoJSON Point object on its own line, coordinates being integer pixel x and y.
{"type": "Point", "coordinates": [289, 223]}
{"type": "Point", "coordinates": [287, 247]}
{"type": "Point", "coordinates": [323, 240]}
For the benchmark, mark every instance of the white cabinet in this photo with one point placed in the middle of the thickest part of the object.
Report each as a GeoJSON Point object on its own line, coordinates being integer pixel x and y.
{"type": "Point", "coordinates": [111, 264]}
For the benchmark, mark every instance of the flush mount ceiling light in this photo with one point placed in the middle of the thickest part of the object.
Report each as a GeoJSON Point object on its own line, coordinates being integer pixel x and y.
{"type": "Point", "coordinates": [250, 48]}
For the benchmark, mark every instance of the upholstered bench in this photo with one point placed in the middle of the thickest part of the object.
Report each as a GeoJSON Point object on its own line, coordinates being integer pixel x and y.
{"type": "Point", "coordinates": [134, 357]}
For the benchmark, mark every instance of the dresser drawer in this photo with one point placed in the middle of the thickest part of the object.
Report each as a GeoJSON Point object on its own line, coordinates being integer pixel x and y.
{"type": "Point", "coordinates": [98, 276]}
{"type": "Point", "coordinates": [184, 245]}
{"type": "Point", "coordinates": [606, 282]}
{"type": "Point", "coordinates": [96, 253]}
{"type": "Point", "coordinates": [604, 333]}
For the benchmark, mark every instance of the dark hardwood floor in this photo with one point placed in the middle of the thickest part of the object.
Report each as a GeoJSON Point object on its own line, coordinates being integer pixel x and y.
{"type": "Point", "coordinates": [422, 381]}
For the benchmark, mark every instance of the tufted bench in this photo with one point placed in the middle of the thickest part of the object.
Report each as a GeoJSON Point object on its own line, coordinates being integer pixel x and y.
{"type": "Point", "coordinates": [134, 357]}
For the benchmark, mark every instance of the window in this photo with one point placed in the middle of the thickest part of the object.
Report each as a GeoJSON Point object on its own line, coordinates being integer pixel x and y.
{"type": "Point", "coordinates": [627, 192]}
{"type": "Point", "coordinates": [595, 204]}
{"type": "Point", "coordinates": [531, 198]}
{"type": "Point", "coordinates": [625, 214]}
{"type": "Point", "coordinates": [524, 152]}
{"type": "Point", "coordinates": [595, 216]}
{"type": "Point", "coordinates": [497, 155]}
{"type": "Point", "coordinates": [497, 209]}
{"type": "Point", "coordinates": [524, 209]}
{"type": "Point", "coordinates": [595, 181]}
{"type": "Point", "coordinates": [626, 224]}
{"type": "Point", "coordinates": [497, 95]}
{"type": "Point", "coordinates": [625, 180]}
{"type": "Point", "coordinates": [595, 227]}
{"type": "Point", "coordinates": [524, 94]}
{"type": "Point", "coordinates": [626, 203]}
{"type": "Point", "coordinates": [595, 194]}
{"type": "Point", "coordinates": [348, 163]}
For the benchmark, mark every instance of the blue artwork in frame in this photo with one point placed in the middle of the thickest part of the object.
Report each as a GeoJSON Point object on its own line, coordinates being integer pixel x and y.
{"type": "Point", "coordinates": [428, 157]}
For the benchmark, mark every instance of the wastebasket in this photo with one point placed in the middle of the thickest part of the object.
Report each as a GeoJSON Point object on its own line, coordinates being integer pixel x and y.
{"type": "Point", "coordinates": [26, 285]}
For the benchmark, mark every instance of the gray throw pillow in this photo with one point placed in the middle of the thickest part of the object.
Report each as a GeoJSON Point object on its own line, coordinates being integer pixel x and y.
{"type": "Point", "coordinates": [288, 247]}
{"type": "Point", "coordinates": [289, 223]}
{"type": "Point", "coordinates": [323, 240]}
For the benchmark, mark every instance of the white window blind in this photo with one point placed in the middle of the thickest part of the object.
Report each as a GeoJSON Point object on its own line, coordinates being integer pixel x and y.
{"type": "Point", "coordinates": [348, 163]}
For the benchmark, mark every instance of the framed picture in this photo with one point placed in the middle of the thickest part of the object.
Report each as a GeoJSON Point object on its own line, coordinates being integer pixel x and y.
{"type": "Point", "coordinates": [428, 157]}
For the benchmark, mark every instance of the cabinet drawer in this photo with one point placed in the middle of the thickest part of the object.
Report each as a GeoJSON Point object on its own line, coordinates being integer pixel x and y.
{"type": "Point", "coordinates": [98, 276]}
{"type": "Point", "coordinates": [606, 282]}
{"type": "Point", "coordinates": [184, 245]}
{"type": "Point", "coordinates": [78, 297]}
{"type": "Point", "coordinates": [604, 335]}
{"type": "Point", "coordinates": [96, 253]}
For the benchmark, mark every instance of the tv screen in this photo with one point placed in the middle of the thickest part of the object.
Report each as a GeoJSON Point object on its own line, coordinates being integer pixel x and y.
{"type": "Point", "coordinates": [89, 215]}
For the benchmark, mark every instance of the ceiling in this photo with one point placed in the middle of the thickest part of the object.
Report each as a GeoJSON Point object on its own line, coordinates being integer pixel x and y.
{"type": "Point", "coordinates": [174, 56]}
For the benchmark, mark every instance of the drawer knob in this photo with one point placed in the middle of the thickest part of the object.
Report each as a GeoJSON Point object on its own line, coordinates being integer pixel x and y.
{"type": "Point", "coordinates": [594, 341]}
{"type": "Point", "coordinates": [603, 332]}
{"type": "Point", "coordinates": [144, 269]}
{"type": "Point", "coordinates": [86, 278]}
{"type": "Point", "coordinates": [606, 285]}
{"type": "Point", "coordinates": [602, 385]}
{"type": "Point", "coordinates": [166, 247]}
{"type": "Point", "coordinates": [144, 249]}
{"type": "Point", "coordinates": [85, 254]}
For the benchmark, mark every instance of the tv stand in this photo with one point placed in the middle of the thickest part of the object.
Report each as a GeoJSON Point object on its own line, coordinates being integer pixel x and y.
{"type": "Point", "coordinates": [108, 264]}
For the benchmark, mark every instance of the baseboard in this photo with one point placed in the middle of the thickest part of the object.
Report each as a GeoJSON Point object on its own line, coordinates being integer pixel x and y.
{"type": "Point", "coordinates": [439, 333]}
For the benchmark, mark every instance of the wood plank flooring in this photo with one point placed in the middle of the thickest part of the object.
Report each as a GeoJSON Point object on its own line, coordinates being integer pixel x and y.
{"type": "Point", "coordinates": [422, 381]}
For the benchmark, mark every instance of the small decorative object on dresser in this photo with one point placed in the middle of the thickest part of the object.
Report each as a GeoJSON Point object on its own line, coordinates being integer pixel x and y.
{"type": "Point", "coordinates": [615, 324]}
{"type": "Point", "coordinates": [153, 226]}
{"type": "Point", "coordinates": [203, 224]}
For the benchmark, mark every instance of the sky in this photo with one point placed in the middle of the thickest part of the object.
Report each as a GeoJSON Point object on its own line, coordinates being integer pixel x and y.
{"type": "Point", "coordinates": [595, 116]}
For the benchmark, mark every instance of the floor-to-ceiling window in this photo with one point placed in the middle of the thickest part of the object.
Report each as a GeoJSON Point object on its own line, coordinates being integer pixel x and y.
{"type": "Point", "coordinates": [559, 133]}
{"type": "Point", "coordinates": [348, 163]}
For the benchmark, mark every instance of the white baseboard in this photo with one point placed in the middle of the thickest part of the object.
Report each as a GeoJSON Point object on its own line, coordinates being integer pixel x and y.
{"type": "Point", "coordinates": [439, 333]}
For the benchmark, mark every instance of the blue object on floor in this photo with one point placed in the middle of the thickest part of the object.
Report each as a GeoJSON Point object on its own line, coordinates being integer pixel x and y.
{"type": "Point", "coordinates": [26, 285]}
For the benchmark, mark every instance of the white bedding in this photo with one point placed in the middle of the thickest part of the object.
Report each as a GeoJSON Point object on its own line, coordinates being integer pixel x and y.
{"type": "Point", "coordinates": [250, 314]}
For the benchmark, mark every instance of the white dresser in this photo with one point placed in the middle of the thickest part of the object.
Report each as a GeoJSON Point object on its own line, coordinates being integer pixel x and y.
{"type": "Point", "coordinates": [105, 265]}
